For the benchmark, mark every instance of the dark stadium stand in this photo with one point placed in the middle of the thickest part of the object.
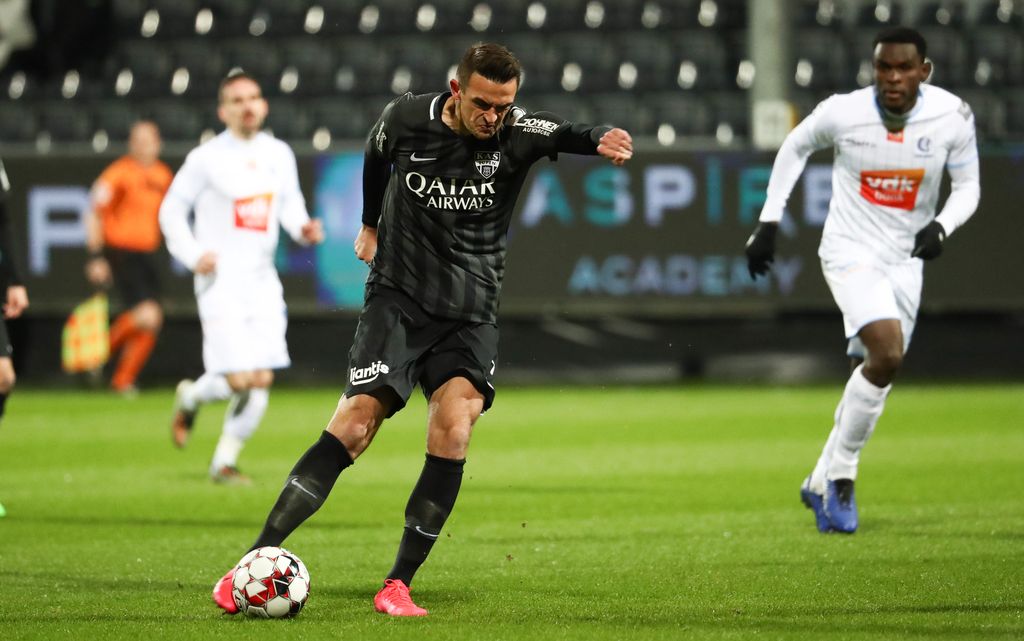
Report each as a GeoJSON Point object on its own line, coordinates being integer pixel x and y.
{"type": "Point", "coordinates": [644, 64]}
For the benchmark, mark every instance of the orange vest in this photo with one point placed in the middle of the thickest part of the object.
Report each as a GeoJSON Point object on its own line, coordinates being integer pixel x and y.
{"type": "Point", "coordinates": [127, 197]}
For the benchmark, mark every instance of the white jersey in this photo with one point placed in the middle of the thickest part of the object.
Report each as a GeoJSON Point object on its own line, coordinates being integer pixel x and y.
{"type": "Point", "coordinates": [241, 191]}
{"type": "Point", "coordinates": [885, 186]}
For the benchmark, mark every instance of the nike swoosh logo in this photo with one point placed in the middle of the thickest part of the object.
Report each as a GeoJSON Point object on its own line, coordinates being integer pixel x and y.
{"type": "Point", "coordinates": [295, 482]}
{"type": "Point", "coordinates": [413, 157]}
{"type": "Point", "coordinates": [426, 534]}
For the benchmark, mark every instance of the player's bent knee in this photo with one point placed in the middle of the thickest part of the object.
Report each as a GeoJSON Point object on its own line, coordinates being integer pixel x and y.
{"type": "Point", "coordinates": [888, 361]}
{"type": "Point", "coordinates": [355, 422]}
{"type": "Point", "coordinates": [7, 379]}
{"type": "Point", "coordinates": [240, 381]}
{"type": "Point", "coordinates": [148, 315]}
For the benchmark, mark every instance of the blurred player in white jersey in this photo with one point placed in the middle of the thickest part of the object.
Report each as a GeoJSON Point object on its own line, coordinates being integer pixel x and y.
{"type": "Point", "coordinates": [891, 142]}
{"type": "Point", "coordinates": [241, 185]}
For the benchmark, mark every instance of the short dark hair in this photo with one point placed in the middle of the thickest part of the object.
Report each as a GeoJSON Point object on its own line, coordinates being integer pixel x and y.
{"type": "Point", "coordinates": [492, 61]}
{"type": "Point", "coordinates": [902, 35]}
{"type": "Point", "coordinates": [233, 76]}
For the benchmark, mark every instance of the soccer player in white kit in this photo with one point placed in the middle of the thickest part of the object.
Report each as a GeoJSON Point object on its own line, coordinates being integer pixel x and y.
{"type": "Point", "coordinates": [891, 143]}
{"type": "Point", "coordinates": [241, 185]}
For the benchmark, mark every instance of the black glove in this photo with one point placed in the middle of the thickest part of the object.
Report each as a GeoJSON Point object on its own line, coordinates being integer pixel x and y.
{"type": "Point", "coordinates": [761, 249]}
{"type": "Point", "coordinates": [928, 241]}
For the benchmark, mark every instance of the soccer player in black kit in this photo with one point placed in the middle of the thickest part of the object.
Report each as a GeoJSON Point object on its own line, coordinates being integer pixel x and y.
{"type": "Point", "coordinates": [441, 177]}
{"type": "Point", "coordinates": [14, 299]}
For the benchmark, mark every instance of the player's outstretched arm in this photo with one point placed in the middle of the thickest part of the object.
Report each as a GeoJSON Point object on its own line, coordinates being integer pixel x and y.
{"type": "Point", "coordinates": [616, 145]}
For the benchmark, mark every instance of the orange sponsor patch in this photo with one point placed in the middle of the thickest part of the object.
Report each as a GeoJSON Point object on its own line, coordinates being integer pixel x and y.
{"type": "Point", "coordinates": [891, 188]}
{"type": "Point", "coordinates": [894, 136]}
{"type": "Point", "coordinates": [253, 212]}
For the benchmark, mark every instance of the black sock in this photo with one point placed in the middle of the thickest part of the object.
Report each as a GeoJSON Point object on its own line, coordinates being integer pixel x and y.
{"type": "Point", "coordinates": [429, 505]}
{"type": "Point", "coordinates": [3, 403]}
{"type": "Point", "coordinates": [305, 490]}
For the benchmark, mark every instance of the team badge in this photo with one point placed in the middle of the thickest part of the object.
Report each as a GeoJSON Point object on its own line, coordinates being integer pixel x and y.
{"type": "Point", "coordinates": [487, 162]}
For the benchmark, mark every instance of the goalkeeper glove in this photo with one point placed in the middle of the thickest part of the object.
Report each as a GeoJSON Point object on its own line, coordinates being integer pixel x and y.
{"type": "Point", "coordinates": [928, 241]}
{"type": "Point", "coordinates": [761, 249]}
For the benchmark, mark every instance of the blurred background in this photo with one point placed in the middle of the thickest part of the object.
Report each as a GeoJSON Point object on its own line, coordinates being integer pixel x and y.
{"type": "Point", "coordinates": [615, 275]}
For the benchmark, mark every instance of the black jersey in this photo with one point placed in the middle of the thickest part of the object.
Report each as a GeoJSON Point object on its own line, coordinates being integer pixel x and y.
{"type": "Point", "coordinates": [9, 274]}
{"type": "Point", "coordinates": [442, 202]}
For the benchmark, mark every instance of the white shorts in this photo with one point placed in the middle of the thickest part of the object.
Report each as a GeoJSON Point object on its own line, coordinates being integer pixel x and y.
{"type": "Point", "coordinates": [244, 323]}
{"type": "Point", "coordinates": [867, 289]}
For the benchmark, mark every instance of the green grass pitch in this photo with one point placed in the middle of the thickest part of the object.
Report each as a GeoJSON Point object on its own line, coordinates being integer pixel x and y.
{"type": "Point", "coordinates": [639, 513]}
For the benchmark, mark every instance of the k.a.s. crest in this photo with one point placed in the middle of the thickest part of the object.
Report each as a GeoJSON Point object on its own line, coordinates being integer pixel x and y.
{"type": "Point", "coordinates": [487, 162]}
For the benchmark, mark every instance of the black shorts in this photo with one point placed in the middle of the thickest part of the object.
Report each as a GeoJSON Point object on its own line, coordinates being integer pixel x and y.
{"type": "Point", "coordinates": [135, 275]}
{"type": "Point", "coordinates": [6, 349]}
{"type": "Point", "coordinates": [398, 344]}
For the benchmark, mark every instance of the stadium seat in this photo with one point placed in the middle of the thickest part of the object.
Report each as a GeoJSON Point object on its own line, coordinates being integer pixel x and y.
{"type": "Point", "coordinates": [289, 120]}
{"type": "Point", "coordinates": [622, 110]}
{"type": "Point", "coordinates": [204, 62]}
{"type": "Point", "coordinates": [880, 13]}
{"type": "Point", "coordinates": [177, 17]}
{"type": "Point", "coordinates": [944, 13]}
{"type": "Point", "coordinates": [999, 12]}
{"type": "Point", "coordinates": [722, 14]}
{"type": "Point", "coordinates": [542, 66]}
{"type": "Point", "coordinates": [508, 16]}
{"type": "Point", "coordinates": [596, 56]}
{"type": "Point", "coordinates": [341, 16]}
{"type": "Point", "coordinates": [343, 117]}
{"type": "Point", "coordinates": [284, 17]}
{"type": "Point", "coordinates": [314, 62]}
{"type": "Point", "coordinates": [127, 15]}
{"type": "Point", "coordinates": [990, 114]}
{"type": "Point", "coordinates": [621, 15]}
{"type": "Point", "coordinates": [1015, 113]}
{"type": "Point", "coordinates": [427, 62]}
{"type": "Point", "coordinates": [687, 114]}
{"type": "Point", "coordinates": [652, 54]}
{"type": "Point", "coordinates": [731, 108]}
{"type": "Point", "coordinates": [450, 17]}
{"type": "Point", "coordinates": [562, 104]}
{"type": "Point", "coordinates": [948, 52]}
{"type": "Point", "coordinates": [18, 121]}
{"type": "Point", "coordinates": [669, 14]}
{"type": "Point", "coordinates": [998, 56]}
{"type": "Point", "coordinates": [114, 116]}
{"type": "Point", "coordinates": [181, 121]}
{"type": "Point", "coordinates": [260, 59]}
{"type": "Point", "coordinates": [362, 66]}
{"type": "Point", "coordinates": [709, 53]}
{"type": "Point", "coordinates": [559, 15]}
{"type": "Point", "coordinates": [230, 18]}
{"type": "Point", "coordinates": [823, 14]}
{"type": "Point", "coordinates": [149, 64]}
{"type": "Point", "coordinates": [65, 121]}
{"type": "Point", "coordinates": [821, 60]}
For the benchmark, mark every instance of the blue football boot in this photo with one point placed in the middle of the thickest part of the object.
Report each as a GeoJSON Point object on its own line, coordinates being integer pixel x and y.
{"type": "Point", "coordinates": [840, 506]}
{"type": "Point", "coordinates": [816, 503]}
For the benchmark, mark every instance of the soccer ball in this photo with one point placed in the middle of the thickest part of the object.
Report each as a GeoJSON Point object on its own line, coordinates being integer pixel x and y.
{"type": "Point", "coordinates": [270, 583]}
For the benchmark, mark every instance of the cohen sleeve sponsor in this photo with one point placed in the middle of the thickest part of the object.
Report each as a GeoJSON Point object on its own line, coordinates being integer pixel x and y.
{"type": "Point", "coordinates": [537, 126]}
{"type": "Point", "coordinates": [895, 188]}
{"type": "Point", "coordinates": [253, 213]}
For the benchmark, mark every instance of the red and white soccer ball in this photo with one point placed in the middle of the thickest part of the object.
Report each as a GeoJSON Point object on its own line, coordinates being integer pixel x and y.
{"type": "Point", "coordinates": [270, 583]}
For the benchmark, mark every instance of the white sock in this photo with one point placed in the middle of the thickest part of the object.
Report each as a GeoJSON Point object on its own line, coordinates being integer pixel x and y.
{"type": "Point", "coordinates": [861, 406]}
{"type": "Point", "coordinates": [244, 413]}
{"type": "Point", "coordinates": [228, 449]}
{"type": "Point", "coordinates": [817, 482]}
{"type": "Point", "coordinates": [208, 387]}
